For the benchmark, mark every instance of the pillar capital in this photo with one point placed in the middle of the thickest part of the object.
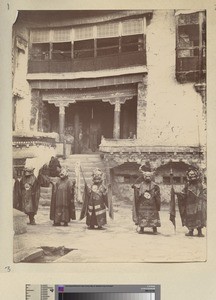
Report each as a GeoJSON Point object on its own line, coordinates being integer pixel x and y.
{"type": "Point", "coordinates": [60, 103]}
{"type": "Point", "coordinates": [116, 100]}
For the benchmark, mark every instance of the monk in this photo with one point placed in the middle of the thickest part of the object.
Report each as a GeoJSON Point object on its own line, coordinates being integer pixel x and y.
{"type": "Point", "coordinates": [147, 201]}
{"type": "Point", "coordinates": [62, 208]}
{"type": "Point", "coordinates": [192, 203]}
{"type": "Point", "coordinates": [95, 201]}
{"type": "Point", "coordinates": [30, 194]}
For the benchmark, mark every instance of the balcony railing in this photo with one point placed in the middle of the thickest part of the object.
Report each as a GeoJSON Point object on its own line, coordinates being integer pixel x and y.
{"type": "Point", "coordinates": [190, 69]}
{"type": "Point", "coordinates": [113, 61]}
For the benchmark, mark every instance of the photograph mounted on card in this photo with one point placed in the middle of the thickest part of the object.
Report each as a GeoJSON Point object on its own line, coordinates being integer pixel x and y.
{"type": "Point", "coordinates": [109, 136]}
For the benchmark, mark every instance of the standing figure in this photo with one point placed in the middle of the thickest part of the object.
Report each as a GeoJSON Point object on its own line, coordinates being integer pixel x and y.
{"type": "Point", "coordinates": [54, 167]}
{"type": "Point", "coordinates": [17, 204]}
{"type": "Point", "coordinates": [62, 208]}
{"type": "Point", "coordinates": [30, 194]}
{"type": "Point", "coordinates": [95, 201]}
{"type": "Point", "coordinates": [147, 201]}
{"type": "Point", "coordinates": [192, 203]}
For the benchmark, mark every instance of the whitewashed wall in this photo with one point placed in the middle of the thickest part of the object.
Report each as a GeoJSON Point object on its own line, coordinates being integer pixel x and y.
{"type": "Point", "coordinates": [174, 110]}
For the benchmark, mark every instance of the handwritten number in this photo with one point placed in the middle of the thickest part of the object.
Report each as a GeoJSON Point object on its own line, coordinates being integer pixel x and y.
{"type": "Point", "coordinates": [8, 268]}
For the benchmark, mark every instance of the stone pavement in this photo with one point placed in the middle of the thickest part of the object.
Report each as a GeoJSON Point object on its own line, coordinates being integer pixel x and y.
{"type": "Point", "coordinates": [119, 242]}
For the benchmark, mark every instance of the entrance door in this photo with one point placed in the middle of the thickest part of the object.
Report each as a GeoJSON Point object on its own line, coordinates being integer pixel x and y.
{"type": "Point", "coordinates": [90, 120]}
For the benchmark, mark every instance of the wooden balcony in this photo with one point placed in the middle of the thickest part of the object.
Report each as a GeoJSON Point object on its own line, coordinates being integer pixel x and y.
{"type": "Point", "coordinates": [190, 69]}
{"type": "Point", "coordinates": [114, 61]}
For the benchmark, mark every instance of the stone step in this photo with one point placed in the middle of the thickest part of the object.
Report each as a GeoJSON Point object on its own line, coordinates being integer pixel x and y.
{"type": "Point", "coordinates": [82, 159]}
{"type": "Point", "coordinates": [45, 190]}
{"type": "Point", "coordinates": [84, 164]}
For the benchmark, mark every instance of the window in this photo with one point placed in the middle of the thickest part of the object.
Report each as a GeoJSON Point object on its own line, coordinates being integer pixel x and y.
{"type": "Point", "coordinates": [61, 35]}
{"type": "Point", "coordinates": [83, 33]}
{"type": "Point", "coordinates": [107, 46]}
{"type": "Point", "coordinates": [88, 40]}
{"type": "Point", "coordinates": [40, 35]}
{"type": "Point", "coordinates": [40, 51]}
{"type": "Point", "coordinates": [108, 30]}
{"type": "Point", "coordinates": [84, 49]}
{"type": "Point", "coordinates": [132, 43]}
{"type": "Point", "coordinates": [133, 26]}
{"type": "Point", "coordinates": [190, 50]}
{"type": "Point", "coordinates": [61, 51]}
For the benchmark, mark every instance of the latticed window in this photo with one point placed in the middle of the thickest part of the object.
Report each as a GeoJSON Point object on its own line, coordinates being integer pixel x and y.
{"type": "Point", "coordinates": [134, 26]}
{"type": "Point", "coordinates": [108, 30]}
{"type": "Point", "coordinates": [40, 36]}
{"type": "Point", "coordinates": [190, 47]}
{"type": "Point", "coordinates": [62, 35]}
{"type": "Point", "coordinates": [83, 33]}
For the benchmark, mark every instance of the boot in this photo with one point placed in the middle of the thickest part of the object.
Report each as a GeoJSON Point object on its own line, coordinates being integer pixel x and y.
{"type": "Point", "coordinates": [200, 234]}
{"type": "Point", "coordinates": [141, 231]}
{"type": "Point", "coordinates": [154, 230]}
{"type": "Point", "coordinates": [190, 233]}
{"type": "Point", "coordinates": [31, 219]}
{"type": "Point", "coordinates": [56, 224]}
{"type": "Point", "coordinates": [65, 224]}
{"type": "Point", "coordinates": [91, 227]}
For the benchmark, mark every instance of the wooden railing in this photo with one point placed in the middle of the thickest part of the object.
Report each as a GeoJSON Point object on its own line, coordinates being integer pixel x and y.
{"type": "Point", "coordinates": [113, 61]}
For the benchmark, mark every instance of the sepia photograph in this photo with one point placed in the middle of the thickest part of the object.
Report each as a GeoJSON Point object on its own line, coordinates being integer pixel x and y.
{"type": "Point", "coordinates": [109, 121]}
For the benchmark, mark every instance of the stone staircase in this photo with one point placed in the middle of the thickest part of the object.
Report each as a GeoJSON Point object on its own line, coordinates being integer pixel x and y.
{"type": "Point", "coordinates": [88, 163]}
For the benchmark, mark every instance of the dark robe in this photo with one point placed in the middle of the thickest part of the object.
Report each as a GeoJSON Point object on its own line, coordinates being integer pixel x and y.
{"type": "Point", "coordinates": [146, 205]}
{"type": "Point", "coordinates": [43, 176]}
{"type": "Point", "coordinates": [17, 200]}
{"type": "Point", "coordinates": [62, 207]}
{"type": "Point", "coordinates": [192, 202]}
{"type": "Point", "coordinates": [30, 194]}
{"type": "Point", "coordinates": [95, 201]}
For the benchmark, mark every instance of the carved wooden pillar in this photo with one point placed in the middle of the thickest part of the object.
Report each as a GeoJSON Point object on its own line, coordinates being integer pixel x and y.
{"type": "Point", "coordinates": [117, 112]}
{"type": "Point", "coordinates": [61, 105]}
{"type": "Point", "coordinates": [61, 122]}
{"type": "Point", "coordinates": [117, 101]}
{"type": "Point", "coordinates": [76, 133]}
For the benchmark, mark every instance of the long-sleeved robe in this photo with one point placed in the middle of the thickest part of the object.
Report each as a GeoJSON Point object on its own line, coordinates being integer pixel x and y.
{"type": "Point", "coordinates": [62, 207]}
{"type": "Point", "coordinates": [95, 201]}
{"type": "Point", "coordinates": [146, 205]}
{"type": "Point", "coordinates": [30, 194]}
{"type": "Point", "coordinates": [192, 203]}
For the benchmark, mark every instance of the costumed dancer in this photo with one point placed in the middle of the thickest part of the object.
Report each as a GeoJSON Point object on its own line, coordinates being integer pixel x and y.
{"type": "Point", "coordinates": [30, 194]}
{"type": "Point", "coordinates": [17, 201]}
{"type": "Point", "coordinates": [192, 202]}
{"type": "Point", "coordinates": [95, 201]}
{"type": "Point", "coordinates": [147, 201]}
{"type": "Point", "coordinates": [62, 208]}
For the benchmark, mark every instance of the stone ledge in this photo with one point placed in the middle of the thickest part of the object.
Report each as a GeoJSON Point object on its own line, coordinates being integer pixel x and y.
{"type": "Point", "coordinates": [27, 254]}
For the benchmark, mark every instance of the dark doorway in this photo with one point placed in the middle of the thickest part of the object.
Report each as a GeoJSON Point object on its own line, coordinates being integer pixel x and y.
{"type": "Point", "coordinates": [88, 121]}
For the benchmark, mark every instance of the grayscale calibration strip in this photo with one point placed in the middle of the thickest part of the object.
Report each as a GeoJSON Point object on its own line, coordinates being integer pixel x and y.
{"type": "Point", "coordinates": [92, 292]}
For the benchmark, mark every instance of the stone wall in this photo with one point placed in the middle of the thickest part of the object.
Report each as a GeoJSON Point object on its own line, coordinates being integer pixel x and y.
{"type": "Point", "coordinates": [21, 88]}
{"type": "Point", "coordinates": [40, 119]}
